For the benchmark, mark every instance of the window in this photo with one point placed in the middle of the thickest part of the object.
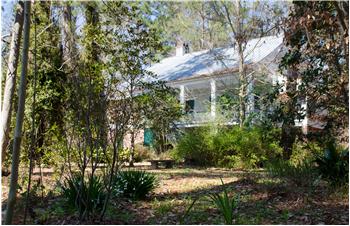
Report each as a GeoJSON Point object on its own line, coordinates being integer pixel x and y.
{"type": "Point", "coordinates": [189, 107]}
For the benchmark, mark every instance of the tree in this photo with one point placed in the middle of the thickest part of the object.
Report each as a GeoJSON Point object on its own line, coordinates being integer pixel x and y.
{"type": "Point", "coordinates": [190, 22]}
{"type": "Point", "coordinates": [245, 20]}
{"type": "Point", "coordinates": [10, 84]}
{"type": "Point", "coordinates": [161, 109]}
{"type": "Point", "coordinates": [68, 39]}
{"type": "Point", "coordinates": [85, 119]}
{"type": "Point", "coordinates": [19, 117]}
{"type": "Point", "coordinates": [52, 82]}
{"type": "Point", "coordinates": [316, 34]}
{"type": "Point", "coordinates": [137, 45]}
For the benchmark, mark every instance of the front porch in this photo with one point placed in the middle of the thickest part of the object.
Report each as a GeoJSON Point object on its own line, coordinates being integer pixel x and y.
{"type": "Point", "coordinates": [199, 99]}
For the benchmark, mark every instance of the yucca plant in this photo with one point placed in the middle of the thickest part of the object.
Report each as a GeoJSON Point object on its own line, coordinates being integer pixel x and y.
{"type": "Point", "coordinates": [225, 204]}
{"type": "Point", "coordinates": [333, 165]}
{"type": "Point", "coordinates": [84, 195]}
{"type": "Point", "coordinates": [134, 184]}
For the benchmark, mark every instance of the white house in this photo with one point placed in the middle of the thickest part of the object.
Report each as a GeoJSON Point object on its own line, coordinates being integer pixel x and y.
{"type": "Point", "coordinates": [201, 77]}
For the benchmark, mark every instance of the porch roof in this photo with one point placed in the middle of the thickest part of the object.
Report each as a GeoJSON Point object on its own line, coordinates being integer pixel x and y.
{"type": "Point", "coordinates": [214, 61]}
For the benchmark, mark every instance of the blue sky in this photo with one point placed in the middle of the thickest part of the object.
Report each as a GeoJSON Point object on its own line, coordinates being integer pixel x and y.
{"type": "Point", "coordinates": [6, 15]}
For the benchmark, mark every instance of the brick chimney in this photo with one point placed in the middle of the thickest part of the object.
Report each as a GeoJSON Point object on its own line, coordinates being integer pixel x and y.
{"type": "Point", "coordinates": [181, 48]}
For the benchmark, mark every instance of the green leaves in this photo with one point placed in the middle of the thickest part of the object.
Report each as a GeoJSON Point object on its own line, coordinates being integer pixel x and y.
{"type": "Point", "coordinates": [85, 196]}
{"type": "Point", "coordinates": [225, 204]}
{"type": "Point", "coordinates": [318, 49]}
{"type": "Point", "coordinates": [134, 184]}
{"type": "Point", "coordinates": [333, 165]}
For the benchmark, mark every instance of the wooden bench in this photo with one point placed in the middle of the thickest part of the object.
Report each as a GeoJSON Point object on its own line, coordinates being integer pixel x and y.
{"type": "Point", "coordinates": [167, 163]}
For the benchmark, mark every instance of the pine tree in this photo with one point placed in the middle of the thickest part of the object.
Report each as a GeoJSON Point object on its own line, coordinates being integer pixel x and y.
{"type": "Point", "coordinates": [10, 84]}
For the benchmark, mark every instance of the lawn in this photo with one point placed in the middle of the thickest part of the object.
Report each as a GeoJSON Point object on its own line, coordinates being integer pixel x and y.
{"type": "Point", "coordinates": [263, 200]}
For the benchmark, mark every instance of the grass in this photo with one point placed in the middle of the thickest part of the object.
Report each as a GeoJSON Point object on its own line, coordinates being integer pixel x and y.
{"type": "Point", "coordinates": [263, 200]}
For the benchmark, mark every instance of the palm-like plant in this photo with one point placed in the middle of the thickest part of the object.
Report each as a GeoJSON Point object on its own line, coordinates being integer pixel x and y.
{"type": "Point", "coordinates": [333, 165]}
{"type": "Point", "coordinates": [84, 195]}
{"type": "Point", "coordinates": [134, 184]}
{"type": "Point", "coordinates": [225, 204]}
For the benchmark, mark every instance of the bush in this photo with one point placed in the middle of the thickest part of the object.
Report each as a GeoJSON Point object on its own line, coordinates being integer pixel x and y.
{"type": "Point", "coordinates": [304, 152]}
{"type": "Point", "coordinates": [195, 147]}
{"type": "Point", "coordinates": [141, 153]}
{"type": "Point", "coordinates": [124, 154]}
{"type": "Point", "coordinates": [228, 147]}
{"type": "Point", "coordinates": [333, 165]}
{"type": "Point", "coordinates": [134, 184]}
{"type": "Point", "coordinates": [84, 195]}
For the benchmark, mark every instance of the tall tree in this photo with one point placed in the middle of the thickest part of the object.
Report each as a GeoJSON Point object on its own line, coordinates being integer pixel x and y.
{"type": "Point", "coordinates": [191, 22]}
{"type": "Point", "coordinates": [316, 34]}
{"type": "Point", "coordinates": [68, 39]}
{"type": "Point", "coordinates": [10, 84]}
{"type": "Point", "coordinates": [137, 44]}
{"type": "Point", "coordinates": [51, 83]}
{"type": "Point", "coordinates": [19, 118]}
{"type": "Point", "coordinates": [245, 20]}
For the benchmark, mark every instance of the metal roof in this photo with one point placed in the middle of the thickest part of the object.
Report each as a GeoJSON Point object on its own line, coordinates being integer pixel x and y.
{"type": "Point", "coordinates": [213, 61]}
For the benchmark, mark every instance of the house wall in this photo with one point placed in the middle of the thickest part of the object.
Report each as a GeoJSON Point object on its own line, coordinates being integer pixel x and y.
{"type": "Point", "coordinates": [138, 138]}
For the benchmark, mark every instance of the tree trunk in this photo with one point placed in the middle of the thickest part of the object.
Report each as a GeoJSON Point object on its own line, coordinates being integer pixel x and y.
{"type": "Point", "coordinates": [242, 77]}
{"type": "Point", "coordinates": [289, 132]}
{"type": "Point", "coordinates": [10, 83]}
{"type": "Point", "coordinates": [19, 118]}
{"type": "Point", "coordinates": [132, 148]}
{"type": "Point", "coordinates": [68, 43]}
{"type": "Point", "coordinates": [242, 86]}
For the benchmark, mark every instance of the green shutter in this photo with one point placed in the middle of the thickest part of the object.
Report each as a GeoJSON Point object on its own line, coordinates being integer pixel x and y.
{"type": "Point", "coordinates": [148, 137]}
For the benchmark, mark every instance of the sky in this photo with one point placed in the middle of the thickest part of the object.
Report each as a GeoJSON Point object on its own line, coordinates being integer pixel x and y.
{"type": "Point", "coordinates": [6, 16]}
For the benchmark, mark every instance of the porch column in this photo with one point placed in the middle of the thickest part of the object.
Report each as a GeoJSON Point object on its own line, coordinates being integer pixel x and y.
{"type": "Point", "coordinates": [305, 122]}
{"type": "Point", "coordinates": [182, 97]}
{"type": "Point", "coordinates": [212, 98]}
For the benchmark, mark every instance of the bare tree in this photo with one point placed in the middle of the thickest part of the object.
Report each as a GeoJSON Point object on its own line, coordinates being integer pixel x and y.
{"type": "Point", "coordinates": [19, 117]}
{"type": "Point", "coordinates": [10, 83]}
{"type": "Point", "coordinates": [68, 39]}
{"type": "Point", "coordinates": [245, 20]}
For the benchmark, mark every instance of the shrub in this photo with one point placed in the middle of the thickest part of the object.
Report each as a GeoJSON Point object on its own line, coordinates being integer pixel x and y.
{"type": "Point", "coordinates": [304, 152]}
{"type": "Point", "coordinates": [228, 147]}
{"type": "Point", "coordinates": [141, 153]}
{"type": "Point", "coordinates": [333, 165]}
{"type": "Point", "coordinates": [84, 195]}
{"type": "Point", "coordinates": [124, 154]}
{"type": "Point", "coordinates": [195, 147]}
{"type": "Point", "coordinates": [134, 184]}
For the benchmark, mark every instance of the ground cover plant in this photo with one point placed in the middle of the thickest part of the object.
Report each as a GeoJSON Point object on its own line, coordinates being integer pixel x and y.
{"type": "Point", "coordinates": [263, 200]}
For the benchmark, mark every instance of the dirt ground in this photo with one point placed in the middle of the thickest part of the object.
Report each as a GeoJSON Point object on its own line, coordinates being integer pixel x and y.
{"type": "Point", "coordinates": [263, 200]}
